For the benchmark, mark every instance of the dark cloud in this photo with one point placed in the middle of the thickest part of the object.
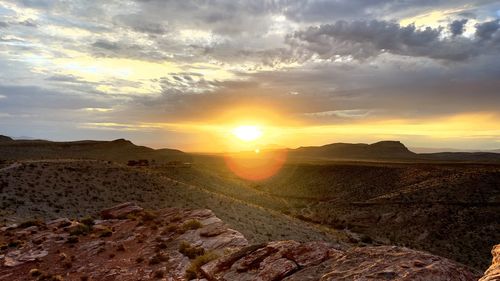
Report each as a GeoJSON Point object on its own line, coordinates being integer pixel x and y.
{"type": "Point", "coordinates": [104, 44]}
{"type": "Point", "coordinates": [141, 24]}
{"type": "Point", "coordinates": [28, 23]}
{"type": "Point", "coordinates": [35, 99]}
{"type": "Point", "coordinates": [64, 78]}
{"type": "Point", "coordinates": [487, 30]}
{"type": "Point", "coordinates": [322, 11]}
{"type": "Point", "coordinates": [363, 39]}
{"type": "Point", "coordinates": [457, 27]}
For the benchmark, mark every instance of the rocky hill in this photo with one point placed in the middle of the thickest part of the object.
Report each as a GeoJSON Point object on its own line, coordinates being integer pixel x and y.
{"type": "Point", "coordinates": [129, 243]}
{"type": "Point", "coordinates": [379, 150]}
{"type": "Point", "coordinates": [119, 150]}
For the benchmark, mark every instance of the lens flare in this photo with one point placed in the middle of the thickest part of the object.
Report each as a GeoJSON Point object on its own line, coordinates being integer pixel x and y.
{"type": "Point", "coordinates": [255, 165]}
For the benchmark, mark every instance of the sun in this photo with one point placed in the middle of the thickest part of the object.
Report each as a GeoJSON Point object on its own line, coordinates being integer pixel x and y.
{"type": "Point", "coordinates": [247, 133]}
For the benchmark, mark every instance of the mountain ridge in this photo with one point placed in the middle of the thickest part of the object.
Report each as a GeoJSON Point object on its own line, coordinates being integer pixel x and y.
{"type": "Point", "coordinates": [385, 150]}
{"type": "Point", "coordinates": [122, 150]}
{"type": "Point", "coordinates": [118, 150]}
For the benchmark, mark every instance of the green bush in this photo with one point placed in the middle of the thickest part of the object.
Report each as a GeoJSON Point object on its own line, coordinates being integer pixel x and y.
{"type": "Point", "coordinates": [28, 223]}
{"type": "Point", "coordinates": [192, 224]}
{"type": "Point", "coordinates": [89, 221]}
{"type": "Point", "coordinates": [190, 251]}
{"type": "Point", "coordinates": [81, 229]}
{"type": "Point", "coordinates": [106, 232]}
{"type": "Point", "coordinates": [194, 268]}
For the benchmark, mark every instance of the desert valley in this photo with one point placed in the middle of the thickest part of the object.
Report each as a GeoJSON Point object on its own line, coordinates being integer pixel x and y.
{"type": "Point", "coordinates": [249, 140]}
{"type": "Point", "coordinates": [351, 198]}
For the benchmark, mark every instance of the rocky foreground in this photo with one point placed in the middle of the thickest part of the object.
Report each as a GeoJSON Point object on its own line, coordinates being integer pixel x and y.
{"type": "Point", "coordinates": [129, 243]}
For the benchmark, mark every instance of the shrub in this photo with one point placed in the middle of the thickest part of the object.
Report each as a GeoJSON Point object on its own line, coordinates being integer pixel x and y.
{"type": "Point", "coordinates": [28, 223]}
{"type": "Point", "coordinates": [161, 246]}
{"type": "Point", "coordinates": [72, 239]}
{"type": "Point", "coordinates": [106, 232]}
{"type": "Point", "coordinates": [159, 273]}
{"type": "Point", "coordinates": [80, 229]}
{"type": "Point", "coordinates": [120, 248]}
{"type": "Point", "coordinates": [192, 224]}
{"type": "Point", "coordinates": [67, 264]}
{"type": "Point", "coordinates": [35, 272]}
{"type": "Point", "coordinates": [189, 250]}
{"type": "Point", "coordinates": [156, 259]}
{"type": "Point", "coordinates": [15, 244]}
{"type": "Point", "coordinates": [194, 268]}
{"type": "Point", "coordinates": [149, 215]}
{"type": "Point", "coordinates": [89, 221]}
{"type": "Point", "coordinates": [50, 277]}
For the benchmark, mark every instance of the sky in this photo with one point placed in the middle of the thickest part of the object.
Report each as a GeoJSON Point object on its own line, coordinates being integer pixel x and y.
{"type": "Point", "coordinates": [184, 74]}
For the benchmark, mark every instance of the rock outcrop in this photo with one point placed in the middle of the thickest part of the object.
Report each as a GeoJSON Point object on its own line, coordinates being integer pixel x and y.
{"type": "Point", "coordinates": [121, 211]}
{"type": "Point", "coordinates": [143, 245]}
{"type": "Point", "coordinates": [493, 272]}
{"type": "Point", "coordinates": [179, 244]}
{"type": "Point", "coordinates": [293, 261]}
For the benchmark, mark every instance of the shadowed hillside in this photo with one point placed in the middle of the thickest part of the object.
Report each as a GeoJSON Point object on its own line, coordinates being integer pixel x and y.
{"type": "Point", "coordinates": [379, 150]}
{"type": "Point", "coordinates": [385, 151]}
{"type": "Point", "coordinates": [428, 206]}
{"type": "Point", "coordinates": [119, 150]}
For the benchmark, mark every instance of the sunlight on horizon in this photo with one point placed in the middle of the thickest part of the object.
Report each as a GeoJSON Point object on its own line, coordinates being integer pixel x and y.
{"type": "Point", "coordinates": [247, 132]}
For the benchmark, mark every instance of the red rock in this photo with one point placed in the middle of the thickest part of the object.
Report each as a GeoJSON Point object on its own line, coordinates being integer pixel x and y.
{"type": "Point", "coordinates": [213, 229]}
{"type": "Point", "coordinates": [253, 259]}
{"type": "Point", "coordinates": [308, 254]}
{"type": "Point", "coordinates": [212, 268]}
{"type": "Point", "coordinates": [137, 251]}
{"type": "Point", "coordinates": [276, 270]}
{"type": "Point", "coordinates": [57, 223]}
{"type": "Point", "coordinates": [394, 263]}
{"type": "Point", "coordinates": [321, 261]}
{"type": "Point", "coordinates": [120, 211]}
{"type": "Point", "coordinates": [104, 258]}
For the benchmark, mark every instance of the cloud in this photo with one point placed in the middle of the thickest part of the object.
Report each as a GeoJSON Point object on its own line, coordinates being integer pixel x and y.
{"type": "Point", "coordinates": [167, 61]}
{"type": "Point", "coordinates": [486, 30]}
{"type": "Point", "coordinates": [104, 44]}
{"type": "Point", "coordinates": [64, 78]}
{"type": "Point", "coordinates": [457, 27]}
{"type": "Point", "coordinates": [364, 39]}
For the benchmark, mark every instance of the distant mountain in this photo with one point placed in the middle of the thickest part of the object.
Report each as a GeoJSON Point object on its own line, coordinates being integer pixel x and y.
{"type": "Point", "coordinates": [462, 156]}
{"type": "Point", "coordinates": [439, 150]}
{"type": "Point", "coordinates": [379, 150]}
{"type": "Point", "coordinates": [5, 138]}
{"type": "Point", "coordinates": [386, 150]}
{"type": "Point", "coordinates": [119, 150]}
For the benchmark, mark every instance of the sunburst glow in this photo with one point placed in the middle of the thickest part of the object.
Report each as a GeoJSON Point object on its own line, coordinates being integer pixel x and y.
{"type": "Point", "coordinates": [247, 133]}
